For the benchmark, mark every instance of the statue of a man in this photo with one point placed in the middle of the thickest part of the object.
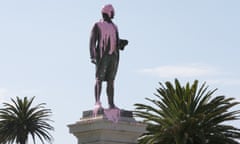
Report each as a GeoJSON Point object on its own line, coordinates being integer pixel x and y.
{"type": "Point", "coordinates": [104, 52]}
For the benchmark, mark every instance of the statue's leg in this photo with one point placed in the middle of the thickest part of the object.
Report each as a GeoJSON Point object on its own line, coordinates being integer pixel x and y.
{"type": "Point", "coordinates": [98, 89]}
{"type": "Point", "coordinates": [110, 93]}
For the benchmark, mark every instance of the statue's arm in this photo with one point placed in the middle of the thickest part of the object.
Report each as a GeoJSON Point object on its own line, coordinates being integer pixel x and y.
{"type": "Point", "coordinates": [93, 43]}
{"type": "Point", "coordinates": [121, 43]}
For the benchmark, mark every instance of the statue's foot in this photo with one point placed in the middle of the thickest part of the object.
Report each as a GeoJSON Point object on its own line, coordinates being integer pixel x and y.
{"type": "Point", "coordinates": [98, 104]}
{"type": "Point", "coordinates": [97, 108]}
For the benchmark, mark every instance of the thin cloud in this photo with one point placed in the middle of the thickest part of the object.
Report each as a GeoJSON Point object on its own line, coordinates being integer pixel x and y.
{"type": "Point", "coordinates": [180, 71]}
{"type": "Point", "coordinates": [225, 81]}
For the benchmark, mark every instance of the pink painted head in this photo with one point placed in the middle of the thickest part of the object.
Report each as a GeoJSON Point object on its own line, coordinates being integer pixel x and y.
{"type": "Point", "coordinates": [109, 10]}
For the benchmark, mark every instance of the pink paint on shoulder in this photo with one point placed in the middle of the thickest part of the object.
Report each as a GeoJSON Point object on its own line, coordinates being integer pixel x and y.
{"type": "Point", "coordinates": [108, 32]}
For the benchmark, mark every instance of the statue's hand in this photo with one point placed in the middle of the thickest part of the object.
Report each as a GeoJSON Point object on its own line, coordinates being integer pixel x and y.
{"type": "Point", "coordinates": [94, 61]}
{"type": "Point", "coordinates": [122, 43]}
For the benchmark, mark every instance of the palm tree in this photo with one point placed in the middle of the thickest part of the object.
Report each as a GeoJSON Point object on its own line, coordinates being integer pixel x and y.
{"type": "Point", "coordinates": [188, 115]}
{"type": "Point", "coordinates": [19, 119]}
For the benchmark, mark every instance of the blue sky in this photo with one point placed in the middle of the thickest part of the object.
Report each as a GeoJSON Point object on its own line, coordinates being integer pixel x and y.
{"type": "Point", "coordinates": [44, 51]}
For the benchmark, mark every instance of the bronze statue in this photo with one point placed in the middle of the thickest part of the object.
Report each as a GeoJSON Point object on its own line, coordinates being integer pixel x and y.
{"type": "Point", "coordinates": [104, 52]}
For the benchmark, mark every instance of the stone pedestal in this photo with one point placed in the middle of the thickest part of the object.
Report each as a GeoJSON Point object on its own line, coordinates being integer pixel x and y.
{"type": "Point", "coordinates": [100, 129]}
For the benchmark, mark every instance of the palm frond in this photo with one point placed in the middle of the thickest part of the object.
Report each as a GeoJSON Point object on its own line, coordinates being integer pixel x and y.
{"type": "Point", "coordinates": [189, 114]}
{"type": "Point", "coordinates": [20, 119]}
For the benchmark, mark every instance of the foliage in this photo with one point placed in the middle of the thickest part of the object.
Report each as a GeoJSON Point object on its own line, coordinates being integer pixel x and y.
{"type": "Point", "coordinates": [188, 115]}
{"type": "Point", "coordinates": [19, 119]}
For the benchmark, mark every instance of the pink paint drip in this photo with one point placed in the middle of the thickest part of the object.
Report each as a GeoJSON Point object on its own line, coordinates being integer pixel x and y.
{"type": "Point", "coordinates": [112, 114]}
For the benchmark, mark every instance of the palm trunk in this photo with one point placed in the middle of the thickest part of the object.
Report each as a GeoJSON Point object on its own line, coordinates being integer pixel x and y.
{"type": "Point", "coordinates": [179, 140]}
{"type": "Point", "coordinates": [22, 142]}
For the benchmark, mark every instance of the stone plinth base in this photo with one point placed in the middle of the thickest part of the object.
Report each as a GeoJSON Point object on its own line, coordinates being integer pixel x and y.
{"type": "Point", "coordinates": [101, 130]}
